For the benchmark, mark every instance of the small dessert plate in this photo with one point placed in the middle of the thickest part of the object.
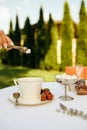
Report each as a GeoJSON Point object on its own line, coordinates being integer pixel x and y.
{"type": "Point", "coordinates": [28, 102]}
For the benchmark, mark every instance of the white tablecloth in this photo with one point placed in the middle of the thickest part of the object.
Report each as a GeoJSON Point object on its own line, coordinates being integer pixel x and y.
{"type": "Point", "coordinates": [41, 117]}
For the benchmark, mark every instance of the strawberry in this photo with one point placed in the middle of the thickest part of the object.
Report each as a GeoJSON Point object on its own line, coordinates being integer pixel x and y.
{"type": "Point", "coordinates": [49, 96]}
{"type": "Point", "coordinates": [43, 97]}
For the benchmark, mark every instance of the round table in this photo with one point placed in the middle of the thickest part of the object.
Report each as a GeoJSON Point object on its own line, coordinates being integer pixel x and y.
{"type": "Point", "coordinates": [44, 116]}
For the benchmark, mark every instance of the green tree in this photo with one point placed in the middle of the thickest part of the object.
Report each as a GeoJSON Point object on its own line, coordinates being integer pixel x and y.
{"type": "Point", "coordinates": [41, 19]}
{"type": "Point", "coordinates": [41, 40]}
{"type": "Point", "coordinates": [11, 32]}
{"type": "Point", "coordinates": [51, 55]}
{"type": "Point", "coordinates": [82, 36]}
{"type": "Point", "coordinates": [29, 59]}
{"type": "Point", "coordinates": [17, 41]}
{"type": "Point", "coordinates": [17, 32]}
{"type": "Point", "coordinates": [10, 52]}
{"type": "Point", "coordinates": [49, 26]}
{"type": "Point", "coordinates": [67, 34]}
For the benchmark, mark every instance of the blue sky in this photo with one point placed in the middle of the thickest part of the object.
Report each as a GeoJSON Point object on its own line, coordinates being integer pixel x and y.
{"type": "Point", "coordinates": [30, 8]}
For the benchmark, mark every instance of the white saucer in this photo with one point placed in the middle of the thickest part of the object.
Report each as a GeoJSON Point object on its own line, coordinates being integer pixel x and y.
{"type": "Point", "coordinates": [28, 102]}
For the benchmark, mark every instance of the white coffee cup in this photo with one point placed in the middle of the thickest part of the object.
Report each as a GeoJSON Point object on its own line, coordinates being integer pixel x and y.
{"type": "Point", "coordinates": [30, 87]}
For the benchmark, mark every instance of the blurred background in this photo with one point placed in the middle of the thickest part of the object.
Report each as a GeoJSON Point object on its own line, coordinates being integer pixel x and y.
{"type": "Point", "coordinates": [55, 31]}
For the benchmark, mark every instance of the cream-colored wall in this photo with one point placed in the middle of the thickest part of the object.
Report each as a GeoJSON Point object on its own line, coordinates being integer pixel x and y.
{"type": "Point", "coordinates": [73, 52]}
{"type": "Point", "coordinates": [59, 51]}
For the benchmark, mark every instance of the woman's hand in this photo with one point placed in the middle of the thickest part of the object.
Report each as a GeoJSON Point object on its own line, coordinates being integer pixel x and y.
{"type": "Point", "coordinates": [5, 41]}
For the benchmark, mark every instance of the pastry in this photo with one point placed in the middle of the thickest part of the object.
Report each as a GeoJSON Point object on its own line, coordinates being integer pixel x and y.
{"type": "Point", "coordinates": [46, 94]}
{"type": "Point", "coordinates": [43, 97]}
{"type": "Point", "coordinates": [81, 87]}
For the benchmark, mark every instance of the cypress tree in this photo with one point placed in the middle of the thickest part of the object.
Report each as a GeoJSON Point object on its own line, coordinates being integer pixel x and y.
{"type": "Point", "coordinates": [82, 36]}
{"type": "Point", "coordinates": [11, 32]}
{"type": "Point", "coordinates": [17, 32]}
{"type": "Point", "coordinates": [41, 40]}
{"type": "Point", "coordinates": [29, 59]}
{"type": "Point", "coordinates": [67, 34]}
{"type": "Point", "coordinates": [17, 41]}
{"type": "Point", "coordinates": [49, 26]}
{"type": "Point", "coordinates": [51, 55]}
{"type": "Point", "coordinates": [41, 19]}
{"type": "Point", "coordinates": [10, 52]}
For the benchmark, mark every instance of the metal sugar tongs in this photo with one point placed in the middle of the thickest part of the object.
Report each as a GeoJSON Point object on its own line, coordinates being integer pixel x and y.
{"type": "Point", "coordinates": [20, 48]}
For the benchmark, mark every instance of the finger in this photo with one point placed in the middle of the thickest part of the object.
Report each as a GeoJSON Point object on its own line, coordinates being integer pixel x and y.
{"type": "Point", "coordinates": [0, 41]}
{"type": "Point", "coordinates": [9, 41]}
{"type": "Point", "coordinates": [3, 40]}
{"type": "Point", "coordinates": [1, 31]}
{"type": "Point", "coordinates": [4, 45]}
{"type": "Point", "coordinates": [2, 35]}
{"type": "Point", "coordinates": [0, 46]}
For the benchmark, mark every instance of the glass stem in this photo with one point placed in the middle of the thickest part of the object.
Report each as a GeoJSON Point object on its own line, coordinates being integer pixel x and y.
{"type": "Point", "coordinates": [65, 90]}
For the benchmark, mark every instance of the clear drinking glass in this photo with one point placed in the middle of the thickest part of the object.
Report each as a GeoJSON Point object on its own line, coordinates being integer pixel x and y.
{"type": "Point", "coordinates": [79, 70]}
{"type": "Point", "coordinates": [66, 82]}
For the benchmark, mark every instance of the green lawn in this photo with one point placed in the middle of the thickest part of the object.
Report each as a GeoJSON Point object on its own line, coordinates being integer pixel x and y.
{"type": "Point", "coordinates": [9, 73]}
